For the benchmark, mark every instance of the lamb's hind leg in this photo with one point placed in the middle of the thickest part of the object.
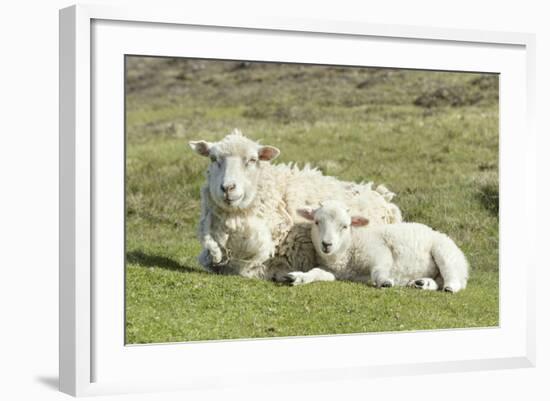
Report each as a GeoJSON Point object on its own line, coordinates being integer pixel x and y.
{"type": "Point", "coordinates": [424, 283]}
{"type": "Point", "coordinates": [315, 274]}
{"type": "Point", "coordinates": [452, 264]}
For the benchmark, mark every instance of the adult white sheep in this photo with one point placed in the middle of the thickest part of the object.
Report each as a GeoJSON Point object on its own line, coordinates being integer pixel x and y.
{"type": "Point", "coordinates": [248, 208]}
{"type": "Point", "coordinates": [410, 254]}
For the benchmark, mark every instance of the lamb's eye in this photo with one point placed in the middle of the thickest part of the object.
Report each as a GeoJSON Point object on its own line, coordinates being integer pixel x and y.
{"type": "Point", "coordinates": [316, 223]}
{"type": "Point", "coordinates": [213, 159]}
{"type": "Point", "coordinates": [251, 162]}
{"type": "Point", "coordinates": [344, 227]}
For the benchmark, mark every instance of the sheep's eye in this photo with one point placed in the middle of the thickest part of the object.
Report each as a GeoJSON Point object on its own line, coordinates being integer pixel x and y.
{"type": "Point", "coordinates": [251, 162]}
{"type": "Point", "coordinates": [344, 227]}
{"type": "Point", "coordinates": [316, 223]}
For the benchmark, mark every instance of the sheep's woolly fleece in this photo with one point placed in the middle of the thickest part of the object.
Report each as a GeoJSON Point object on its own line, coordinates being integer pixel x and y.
{"type": "Point", "coordinates": [266, 239]}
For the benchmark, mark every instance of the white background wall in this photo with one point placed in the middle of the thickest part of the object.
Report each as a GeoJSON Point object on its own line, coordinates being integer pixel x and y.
{"type": "Point", "coordinates": [29, 186]}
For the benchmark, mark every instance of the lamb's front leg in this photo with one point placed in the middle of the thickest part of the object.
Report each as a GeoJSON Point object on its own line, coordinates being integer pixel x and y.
{"type": "Point", "coordinates": [381, 276]}
{"type": "Point", "coordinates": [382, 262]}
{"type": "Point", "coordinates": [315, 274]}
{"type": "Point", "coordinates": [424, 283]}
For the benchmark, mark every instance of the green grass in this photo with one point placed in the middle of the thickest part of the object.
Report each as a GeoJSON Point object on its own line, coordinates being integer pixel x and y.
{"type": "Point", "coordinates": [432, 137]}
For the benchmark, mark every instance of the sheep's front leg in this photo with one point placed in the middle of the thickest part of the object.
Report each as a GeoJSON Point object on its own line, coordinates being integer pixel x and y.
{"type": "Point", "coordinates": [315, 274]}
{"type": "Point", "coordinates": [212, 253]}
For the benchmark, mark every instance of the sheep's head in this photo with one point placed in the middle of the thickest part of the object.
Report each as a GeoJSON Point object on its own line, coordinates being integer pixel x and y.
{"type": "Point", "coordinates": [331, 231]}
{"type": "Point", "coordinates": [234, 171]}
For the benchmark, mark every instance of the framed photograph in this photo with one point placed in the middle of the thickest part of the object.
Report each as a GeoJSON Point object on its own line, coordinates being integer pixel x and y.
{"type": "Point", "coordinates": [278, 199]}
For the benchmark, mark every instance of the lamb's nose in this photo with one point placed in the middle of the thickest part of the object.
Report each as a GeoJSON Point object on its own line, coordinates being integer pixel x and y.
{"type": "Point", "coordinates": [326, 245]}
{"type": "Point", "coordinates": [228, 187]}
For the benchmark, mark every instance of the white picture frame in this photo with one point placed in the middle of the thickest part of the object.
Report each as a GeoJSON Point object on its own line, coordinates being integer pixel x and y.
{"type": "Point", "coordinates": [93, 357]}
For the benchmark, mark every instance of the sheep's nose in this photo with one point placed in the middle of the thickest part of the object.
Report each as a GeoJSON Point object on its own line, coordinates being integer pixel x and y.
{"type": "Point", "coordinates": [228, 187]}
{"type": "Point", "coordinates": [326, 245]}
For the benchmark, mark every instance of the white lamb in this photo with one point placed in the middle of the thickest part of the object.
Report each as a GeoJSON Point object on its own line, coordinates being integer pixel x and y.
{"type": "Point", "coordinates": [404, 254]}
{"type": "Point", "coordinates": [248, 208]}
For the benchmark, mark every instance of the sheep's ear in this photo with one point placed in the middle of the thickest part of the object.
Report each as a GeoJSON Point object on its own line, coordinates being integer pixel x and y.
{"type": "Point", "coordinates": [267, 153]}
{"type": "Point", "coordinates": [306, 213]}
{"type": "Point", "coordinates": [358, 221]}
{"type": "Point", "coordinates": [201, 147]}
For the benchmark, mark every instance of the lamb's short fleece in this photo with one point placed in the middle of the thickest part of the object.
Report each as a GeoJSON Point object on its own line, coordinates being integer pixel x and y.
{"type": "Point", "coordinates": [403, 254]}
{"type": "Point", "coordinates": [249, 224]}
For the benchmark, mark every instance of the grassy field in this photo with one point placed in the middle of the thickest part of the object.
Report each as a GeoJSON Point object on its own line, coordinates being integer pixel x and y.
{"type": "Point", "coordinates": [431, 137]}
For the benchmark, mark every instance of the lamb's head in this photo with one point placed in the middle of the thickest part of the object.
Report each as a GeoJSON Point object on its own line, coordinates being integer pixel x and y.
{"type": "Point", "coordinates": [331, 231]}
{"type": "Point", "coordinates": [234, 171]}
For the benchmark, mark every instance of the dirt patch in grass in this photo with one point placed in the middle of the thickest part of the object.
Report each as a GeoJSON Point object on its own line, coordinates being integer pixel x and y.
{"type": "Point", "coordinates": [454, 96]}
{"type": "Point", "coordinates": [480, 89]}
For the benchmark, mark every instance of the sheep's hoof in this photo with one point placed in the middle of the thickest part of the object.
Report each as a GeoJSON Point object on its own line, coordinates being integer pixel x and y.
{"type": "Point", "coordinates": [217, 259]}
{"type": "Point", "coordinates": [387, 284]}
{"type": "Point", "coordinates": [204, 259]}
{"type": "Point", "coordinates": [419, 283]}
{"type": "Point", "coordinates": [449, 289]}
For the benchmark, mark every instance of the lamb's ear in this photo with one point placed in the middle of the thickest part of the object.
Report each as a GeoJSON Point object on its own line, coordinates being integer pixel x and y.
{"type": "Point", "coordinates": [267, 153]}
{"type": "Point", "coordinates": [306, 213]}
{"type": "Point", "coordinates": [201, 147]}
{"type": "Point", "coordinates": [358, 221]}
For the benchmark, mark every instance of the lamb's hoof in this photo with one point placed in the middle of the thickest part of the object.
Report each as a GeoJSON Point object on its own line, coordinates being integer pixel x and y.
{"type": "Point", "coordinates": [423, 284]}
{"type": "Point", "coordinates": [295, 278]}
{"type": "Point", "coordinates": [387, 284]}
{"type": "Point", "coordinates": [449, 289]}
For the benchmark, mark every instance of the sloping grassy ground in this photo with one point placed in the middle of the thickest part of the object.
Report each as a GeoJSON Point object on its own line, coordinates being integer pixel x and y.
{"type": "Point", "coordinates": [432, 137]}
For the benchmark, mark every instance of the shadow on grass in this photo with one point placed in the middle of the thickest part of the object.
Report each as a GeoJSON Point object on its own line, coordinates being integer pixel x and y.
{"type": "Point", "coordinates": [162, 262]}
